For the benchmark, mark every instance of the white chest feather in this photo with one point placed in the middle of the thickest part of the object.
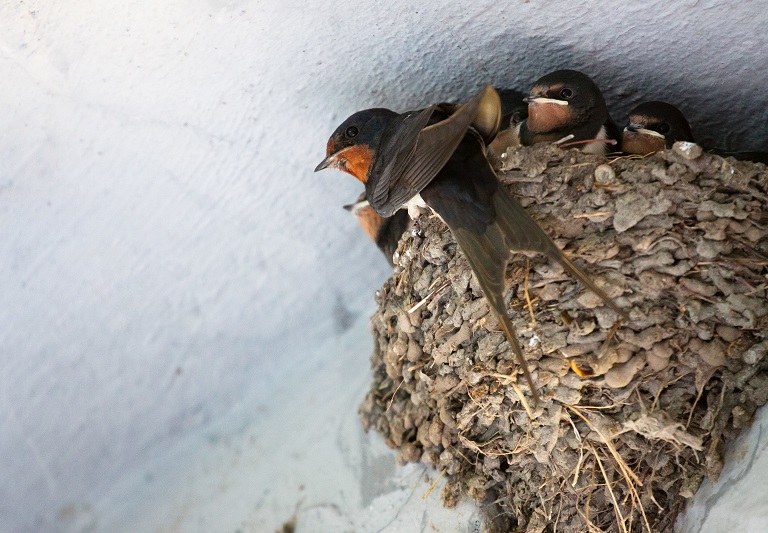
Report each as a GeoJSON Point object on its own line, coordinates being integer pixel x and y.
{"type": "Point", "coordinates": [599, 148]}
{"type": "Point", "coordinates": [415, 206]}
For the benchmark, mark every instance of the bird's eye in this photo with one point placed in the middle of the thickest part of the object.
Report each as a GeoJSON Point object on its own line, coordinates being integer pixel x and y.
{"type": "Point", "coordinates": [566, 93]}
{"type": "Point", "coordinates": [663, 127]}
{"type": "Point", "coordinates": [350, 132]}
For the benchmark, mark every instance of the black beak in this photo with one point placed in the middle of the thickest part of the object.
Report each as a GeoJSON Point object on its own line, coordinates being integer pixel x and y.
{"type": "Point", "coordinates": [633, 127]}
{"type": "Point", "coordinates": [349, 207]}
{"type": "Point", "coordinates": [325, 163]}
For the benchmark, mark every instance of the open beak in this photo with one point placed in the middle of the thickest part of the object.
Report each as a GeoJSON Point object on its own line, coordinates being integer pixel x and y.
{"type": "Point", "coordinates": [543, 100]}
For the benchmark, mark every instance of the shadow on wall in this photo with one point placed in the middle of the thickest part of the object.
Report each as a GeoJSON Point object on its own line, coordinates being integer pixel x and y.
{"type": "Point", "coordinates": [634, 79]}
{"type": "Point", "coordinates": [625, 80]}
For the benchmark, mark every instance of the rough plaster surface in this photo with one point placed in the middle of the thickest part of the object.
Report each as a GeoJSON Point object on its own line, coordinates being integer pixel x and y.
{"type": "Point", "coordinates": [737, 502]}
{"type": "Point", "coordinates": [169, 257]}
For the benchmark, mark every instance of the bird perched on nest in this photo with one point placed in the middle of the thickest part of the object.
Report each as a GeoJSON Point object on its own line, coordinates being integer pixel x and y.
{"type": "Point", "coordinates": [654, 126]}
{"type": "Point", "coordinates": [436, 157]}
{"type": "Point", "coordinates": [384, 232]}
{"type": "Point", "coordinates": [564, 107]}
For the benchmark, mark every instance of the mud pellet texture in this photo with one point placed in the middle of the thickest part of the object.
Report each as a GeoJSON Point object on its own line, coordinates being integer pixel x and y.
{"type": "Point", "coordinates": [633, 415]}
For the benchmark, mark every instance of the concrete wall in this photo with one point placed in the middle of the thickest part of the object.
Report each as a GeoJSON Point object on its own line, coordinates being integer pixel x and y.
{"type": "Point", "coordinates": [169, 261]}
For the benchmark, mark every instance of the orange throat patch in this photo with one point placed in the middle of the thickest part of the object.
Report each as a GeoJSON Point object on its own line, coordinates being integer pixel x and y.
{"type": "Point", "coordinates": [355, 160]}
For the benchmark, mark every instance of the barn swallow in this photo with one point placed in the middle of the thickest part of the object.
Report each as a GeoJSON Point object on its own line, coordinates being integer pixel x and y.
{"type": "Point", "coordinates": [514, 111]}
{"type": "Point", "coordinates": [567, 107]}
{"type": "Point", "coordinates": [384, 232]}
{"type": "Point", "coordinates": [438, 160]}
{"type": "Point", "coordinates": [513, 106]}
{"type": "Point", "coordinates": [654, 126]}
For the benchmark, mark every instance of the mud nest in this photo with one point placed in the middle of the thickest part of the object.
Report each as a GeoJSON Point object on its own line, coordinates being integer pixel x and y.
{"type": "Point", "coordinates": [632, 416]}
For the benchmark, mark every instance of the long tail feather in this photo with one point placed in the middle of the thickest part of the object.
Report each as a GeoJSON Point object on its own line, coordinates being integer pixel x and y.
{"type": "Point", "coordinates": [511, 334]}
{"type": "Point", "coordinates": [522, 233]}
{"type": "Point", "coordinates": [487, 255]}
{"type": "Point", "coordinates": [561, 258]}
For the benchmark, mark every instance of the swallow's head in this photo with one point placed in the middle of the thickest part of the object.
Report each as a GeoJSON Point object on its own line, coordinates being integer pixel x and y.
{"type": "Point", "coordinates": [352, 146]}
{"type": "Point", "coordinates": [359, 204]}
{"type": "Point", "coordinates": [368, 218]}
{"type": "Point", "coordinates": [564, 98]}
{"type": "Point", "coordinates": [654, 126]}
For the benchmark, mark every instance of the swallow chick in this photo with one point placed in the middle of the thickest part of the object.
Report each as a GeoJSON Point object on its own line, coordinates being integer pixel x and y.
{"type": "Point", "coordinates": [514, 108]}
{"type": "Point", "coordinates": [384, 232]}
{"type": "Point", "coordinates": [567, 107]}
{"type": "Point", "coordinates": [654, 126]}
{"type": "Point", "coordinates": [438, 160]}
{"type": "Point", "coordinates": [514, 111]}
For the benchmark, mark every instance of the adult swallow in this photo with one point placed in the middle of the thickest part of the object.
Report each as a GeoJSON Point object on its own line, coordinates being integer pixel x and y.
{"type": "Point", "coordinates": [384, 232]}
{"type": "Point", "coordinates": [437, 159]}
{"type": "Point", "coordinates": [567, 107]}
{"type": "Point", "coordinates": [654, 126]}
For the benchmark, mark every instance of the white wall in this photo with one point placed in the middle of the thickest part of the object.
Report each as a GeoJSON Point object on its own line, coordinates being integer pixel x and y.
{"type": "Point", "coordinates": [169, 260]}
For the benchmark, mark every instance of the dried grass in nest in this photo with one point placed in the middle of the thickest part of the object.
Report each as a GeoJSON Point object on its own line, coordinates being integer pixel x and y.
{"type": "Point", "coordinates": [678, 240]}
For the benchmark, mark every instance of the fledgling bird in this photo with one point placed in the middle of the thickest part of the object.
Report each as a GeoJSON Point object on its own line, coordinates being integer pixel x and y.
{"type": "Point", "coordinates": [513, 107]}
{"type": "Point", "coordinates": [384, 232]}
{"type": "Point", "coordinates": [514, 111]}
{"type": "Point", "coordinates": [436, 159]}
{"type": "Point", "coordinates": [654, 126]}
{"type": "Point", "coordinates": [567, 107]}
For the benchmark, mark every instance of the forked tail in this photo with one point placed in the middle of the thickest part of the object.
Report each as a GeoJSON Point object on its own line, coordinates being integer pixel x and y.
{"type": "Point", "coordinates": [509, 331]}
